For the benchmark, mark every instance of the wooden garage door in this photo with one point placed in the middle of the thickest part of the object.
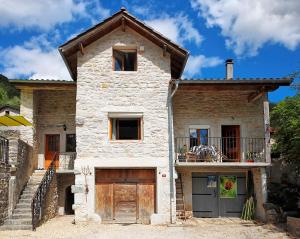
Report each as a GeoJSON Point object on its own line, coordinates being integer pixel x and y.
{"type": "Point", "coordinates": [125, 195]}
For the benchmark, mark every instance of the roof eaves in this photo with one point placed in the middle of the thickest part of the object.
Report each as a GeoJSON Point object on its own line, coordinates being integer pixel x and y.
{"type": "Point", "coordinates": [279, 81]}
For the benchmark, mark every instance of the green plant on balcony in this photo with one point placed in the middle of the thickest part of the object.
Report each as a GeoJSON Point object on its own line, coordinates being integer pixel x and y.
{"type": "Point", "coordinates": [182, 152]}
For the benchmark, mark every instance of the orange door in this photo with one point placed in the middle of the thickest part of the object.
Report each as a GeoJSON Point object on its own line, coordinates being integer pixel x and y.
{"type": "Point", "coordinates": [52, 148]}
{"type": "Point", "coordinates": [231, 142]}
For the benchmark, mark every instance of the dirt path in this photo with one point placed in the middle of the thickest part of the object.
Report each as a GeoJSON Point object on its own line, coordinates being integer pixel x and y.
{"type": "Point", "coordinates": [62, 227]}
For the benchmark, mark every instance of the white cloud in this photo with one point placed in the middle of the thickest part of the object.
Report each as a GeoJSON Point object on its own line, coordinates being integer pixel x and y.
{"type": "Point", "coordinates": [249, 24]}
{"type": "Point", "coordinates": [178, 29]}
{"type": "Point", "coordinates": [36, 59]}
{"type": "Point", "coordinates": [196, 63]}
{"type": "Point", "coordinates": [47, 13]}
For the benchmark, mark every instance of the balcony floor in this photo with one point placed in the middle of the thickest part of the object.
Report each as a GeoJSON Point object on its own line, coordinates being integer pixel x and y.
{"type": "Point", "coordinates": [222, 164]}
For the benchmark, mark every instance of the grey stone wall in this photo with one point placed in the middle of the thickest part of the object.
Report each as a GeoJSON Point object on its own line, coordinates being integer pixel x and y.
{"type": "Point", "coordinates": [54, 109]}
{"type": "Point", "coordinates": [217, 108]}
{"type": "Point", "coordinates": [63, 181]}
{"type": "Point", "coordinates": [51, 201]}
{"type": "Point", "coordinates": [4, 183]}
{"type": "Point", "coordinates": [21, 165]}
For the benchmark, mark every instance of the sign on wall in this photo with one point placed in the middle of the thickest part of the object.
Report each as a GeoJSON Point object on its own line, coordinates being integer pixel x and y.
{"type": "Point", "coordinates": [212, 181]}
{"type": "Point", "coordinates": [228, 186]}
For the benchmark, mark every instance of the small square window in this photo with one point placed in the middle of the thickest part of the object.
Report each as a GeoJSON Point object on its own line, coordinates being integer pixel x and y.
{"type": "Point", "coordinates": [125, 128]}
{"type": "Point", "coordinates": [124, 60]}
{"type": "Point", "coordinates": [198, 137]}
{"type": "Point", "coordinates": [71, 143]}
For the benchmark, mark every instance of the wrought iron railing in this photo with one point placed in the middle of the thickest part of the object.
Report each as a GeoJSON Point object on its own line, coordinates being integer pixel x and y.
{"type": "Point", "coordinates": [220, 149]}
{"type": "Point", "coordinates": [38, 199]}
{"type": "Point", "coordinates": [4, 150]}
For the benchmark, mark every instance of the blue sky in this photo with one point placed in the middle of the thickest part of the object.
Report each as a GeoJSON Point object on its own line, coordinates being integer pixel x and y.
{"type": "Point", "coordinates": [262, 36]}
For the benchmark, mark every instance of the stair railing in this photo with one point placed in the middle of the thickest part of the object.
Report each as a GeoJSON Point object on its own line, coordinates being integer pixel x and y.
{"type": "Point", "coordinates": [38, 199]}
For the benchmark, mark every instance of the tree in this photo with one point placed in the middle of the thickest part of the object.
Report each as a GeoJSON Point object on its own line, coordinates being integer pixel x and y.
{"type": "Point", "coordinates": [9, 95]}
{"type": "Point", "coordinates": [285, 119]}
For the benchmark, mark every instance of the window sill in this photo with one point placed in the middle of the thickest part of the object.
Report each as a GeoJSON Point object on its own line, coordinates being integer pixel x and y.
{"type": "Point", "coordinates": [124, 72]}
{"type": "Point", "coordinates": [126, 141]}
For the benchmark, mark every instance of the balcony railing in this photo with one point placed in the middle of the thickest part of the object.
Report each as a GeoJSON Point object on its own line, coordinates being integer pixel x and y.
{"type": "Point", "coordinates": [220, 149]}
{"type": "Point", "coordinates": [66, 161]}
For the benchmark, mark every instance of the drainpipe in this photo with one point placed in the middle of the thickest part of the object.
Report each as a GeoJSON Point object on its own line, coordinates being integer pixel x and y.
{"type": "Point", "coordinates": [171, 151]}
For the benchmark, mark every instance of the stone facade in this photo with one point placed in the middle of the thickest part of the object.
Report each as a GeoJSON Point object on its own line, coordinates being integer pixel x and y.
{"type": "Point", "coordinates": [4, 193]}
{"type": "Point", "coordinates": [213, 109]}
{"type": "Point", "coordinates": [293, 226]}
{"type": "Point", "coordinates": [54, 109]}
{"type": "Point", "coordinates": [51, 201]}
{"type": "Point", "coordinates": [21, 166]}
{"type": "Point", "coordinates": [101, 91]}
{"type": "Point", "coordinates": [63, 182]}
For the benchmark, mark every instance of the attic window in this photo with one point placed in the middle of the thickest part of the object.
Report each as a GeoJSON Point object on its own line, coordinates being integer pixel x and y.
{"type": "Point", "coordinates": [124, 60]}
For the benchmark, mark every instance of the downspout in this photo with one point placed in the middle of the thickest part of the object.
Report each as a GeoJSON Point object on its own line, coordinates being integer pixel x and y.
{"type": "Point", "coordinates": [171, 143]}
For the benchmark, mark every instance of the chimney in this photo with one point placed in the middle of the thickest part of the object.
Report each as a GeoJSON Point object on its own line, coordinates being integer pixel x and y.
{"type": "Point", "coordinates": [229, 69]}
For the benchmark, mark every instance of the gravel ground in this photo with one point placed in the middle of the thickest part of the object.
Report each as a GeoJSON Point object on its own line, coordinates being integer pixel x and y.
{"type": "Point", "coordinates": [62, 227]}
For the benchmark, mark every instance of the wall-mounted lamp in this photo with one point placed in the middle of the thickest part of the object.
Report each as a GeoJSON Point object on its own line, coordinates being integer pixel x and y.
{"type": "Point", "coordinates": [64, 127]}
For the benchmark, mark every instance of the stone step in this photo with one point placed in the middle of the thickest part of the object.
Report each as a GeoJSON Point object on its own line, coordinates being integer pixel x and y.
{"type": "Point", "coordinates": [23, 205]}
{"type": "Point", "coordinates": [22, 216]}
{"type": "Point", "coordinates": [25, 200]}
{"type": "Point", "coordinates": [29, 190]}
{"type": "Point", "coordinates": [27, 196]}
{"type": "Point", "coordinates": [18, 221]}
{"type": "Point", "coordinates": [15, 227]}
{"type": "Point", "coordinates": [22, 210]}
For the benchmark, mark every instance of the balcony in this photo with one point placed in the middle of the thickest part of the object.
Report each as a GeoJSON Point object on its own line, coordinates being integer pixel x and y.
{"type": "Point", "coordinates": [66, 162]}
{"type": "Point", "coordinates": [220, 151]}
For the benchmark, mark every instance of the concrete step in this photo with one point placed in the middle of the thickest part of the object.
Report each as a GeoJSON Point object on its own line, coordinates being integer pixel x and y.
{"type": "Point", "coordinates": [15, 227]}
{"type": "Point", "coordinates": [18, 221]}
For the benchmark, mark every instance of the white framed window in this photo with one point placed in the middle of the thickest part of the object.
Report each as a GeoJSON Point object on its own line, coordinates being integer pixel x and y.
{"type": "Point", "coordinates": [125, 126]}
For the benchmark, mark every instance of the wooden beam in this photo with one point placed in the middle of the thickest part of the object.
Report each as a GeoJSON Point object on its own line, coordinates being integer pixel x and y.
{"type": "Point", "coordinates": [81, 48]}
{"type": "Point", "coordinates": [256, 95]}
{"type": "Point", "coordinates": [165, 50]}
{"type": "Point", "coordinates": [123, 24]}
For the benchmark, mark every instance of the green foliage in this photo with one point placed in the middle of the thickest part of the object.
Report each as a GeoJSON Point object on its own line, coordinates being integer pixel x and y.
{"type": "Point", "coordinates": [248, 212]}
{"type": "Point", "coordinates": [9, 95]}
{"type": "Point", "coordinates": [285, 119]}
{"type": "Point", "coordinates": [285, 195]}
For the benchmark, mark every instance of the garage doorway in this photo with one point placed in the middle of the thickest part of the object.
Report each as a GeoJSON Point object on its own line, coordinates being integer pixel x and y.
{"type": "Point", "coordinates": [210, 200]}
{"type": "Point", "coordinates": [125, 195]}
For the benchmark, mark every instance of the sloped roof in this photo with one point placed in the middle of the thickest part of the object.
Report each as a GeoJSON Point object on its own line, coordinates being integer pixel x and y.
{"type": "Point", "coordinates": [43, 84]}
{"type": "Point", "coordinates": [69, 49]}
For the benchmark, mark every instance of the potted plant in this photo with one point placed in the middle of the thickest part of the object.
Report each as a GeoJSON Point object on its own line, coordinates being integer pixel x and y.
{"type": "Point", "coordinates": [249, 157]}
{"type": "Point", "coordinates": [182, 153]}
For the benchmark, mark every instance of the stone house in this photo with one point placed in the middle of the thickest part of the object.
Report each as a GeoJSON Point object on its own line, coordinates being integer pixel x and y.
{"type": "Point", "coordinates": [130, 141]}
{"type": "Point", "coordinates": [7, 109]}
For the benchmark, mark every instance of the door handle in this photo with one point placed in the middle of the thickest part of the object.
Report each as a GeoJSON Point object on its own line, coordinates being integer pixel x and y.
{"type": "Point", "coordinates": [215, 193]}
